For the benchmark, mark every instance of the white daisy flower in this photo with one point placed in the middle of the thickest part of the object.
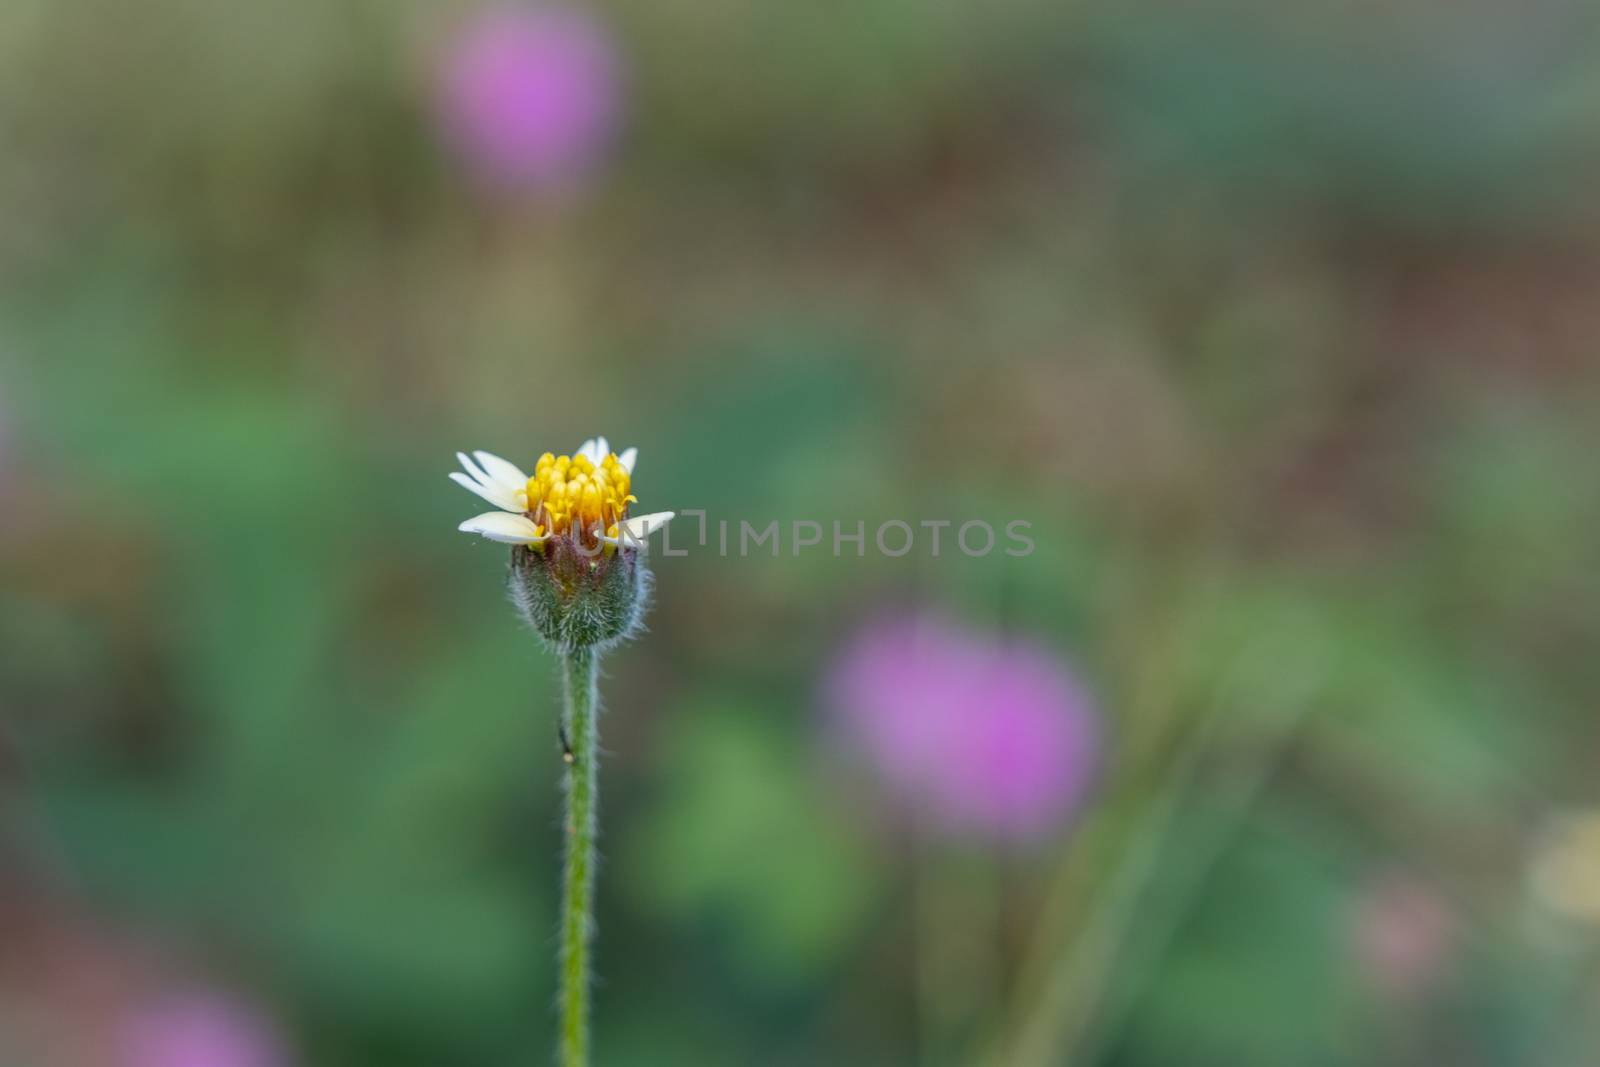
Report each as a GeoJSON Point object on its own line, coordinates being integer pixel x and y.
{"type": "Point", "coordinates": [584, 496]}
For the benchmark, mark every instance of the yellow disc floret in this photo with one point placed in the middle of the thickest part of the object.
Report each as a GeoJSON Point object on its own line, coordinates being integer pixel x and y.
{"type": "Point", "coordinates": [571, 495]}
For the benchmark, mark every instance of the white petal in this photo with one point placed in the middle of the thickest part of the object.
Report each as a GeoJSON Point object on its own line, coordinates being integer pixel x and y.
{"type": "Point", "coordinates": [602, 449]}
{"type": "Point", "coordinates": [627, 459]}
{"type": "Point", "coordinates": [473, 469]}
{"type": "Point", "coordinates": [507, 529]}
{"type": "Point", "coordinates": [507, 474]}
{"type": "Point", "coordinates": [493, 492]}
{"type": "Point", "coordinates": [633, 531]}
{"type": "Point", "coordinates": [590, 450]}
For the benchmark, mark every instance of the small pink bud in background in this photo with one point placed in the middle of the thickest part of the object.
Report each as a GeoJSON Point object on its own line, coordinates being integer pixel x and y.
{"type": "Point", "coordinates": [530, 96]}
{"type": "Point", "coordinates": [200, 1029]}
{"type": "Point", "coordinates": [1402, 934]}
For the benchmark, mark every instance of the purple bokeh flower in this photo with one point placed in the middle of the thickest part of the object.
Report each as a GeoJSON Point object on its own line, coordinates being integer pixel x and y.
{"type": "Point", "coordinates": [200, 1029]}
{"type": "Point", "coordinates": [530, 96]}
{"type": "Point", "coordinates": [984, 736]}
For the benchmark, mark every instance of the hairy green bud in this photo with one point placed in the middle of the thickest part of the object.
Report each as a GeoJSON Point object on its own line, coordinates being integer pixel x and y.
{"type": "Point", "coordinates": [576, 598]}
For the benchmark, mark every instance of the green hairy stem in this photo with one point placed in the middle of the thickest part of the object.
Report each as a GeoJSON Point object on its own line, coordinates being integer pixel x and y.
{"type": "Point", "coordinates": [577, 912]}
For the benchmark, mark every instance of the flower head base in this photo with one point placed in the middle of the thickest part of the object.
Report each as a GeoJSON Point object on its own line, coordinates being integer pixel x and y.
{"type": "Point", "coordinates": [573, 600]}
{"type": "Point", "coordinates": [576, 573]}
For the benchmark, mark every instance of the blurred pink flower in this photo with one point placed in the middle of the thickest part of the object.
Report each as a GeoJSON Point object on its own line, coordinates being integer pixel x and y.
{"type": "Point", "coordinates": [982, 735]}
{"type": "Point", "coordinates": [530, 95]}
{"type": "Point", "coordinates": [200, 1029]}
{"type": "Point", "coordinates": [1402, 934]}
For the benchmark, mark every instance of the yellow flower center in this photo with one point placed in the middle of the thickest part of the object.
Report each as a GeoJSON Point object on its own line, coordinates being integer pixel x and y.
{"type": "Point", "coordinates": [570, 494]}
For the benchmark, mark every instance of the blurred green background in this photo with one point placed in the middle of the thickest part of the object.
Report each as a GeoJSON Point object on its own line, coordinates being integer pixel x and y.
{"type": "Point", "coordinates": [1278, 324]}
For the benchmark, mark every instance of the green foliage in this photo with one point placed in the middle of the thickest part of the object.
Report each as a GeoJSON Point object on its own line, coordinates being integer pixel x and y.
{"type": "Point", "coordinates": [745, 844]}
